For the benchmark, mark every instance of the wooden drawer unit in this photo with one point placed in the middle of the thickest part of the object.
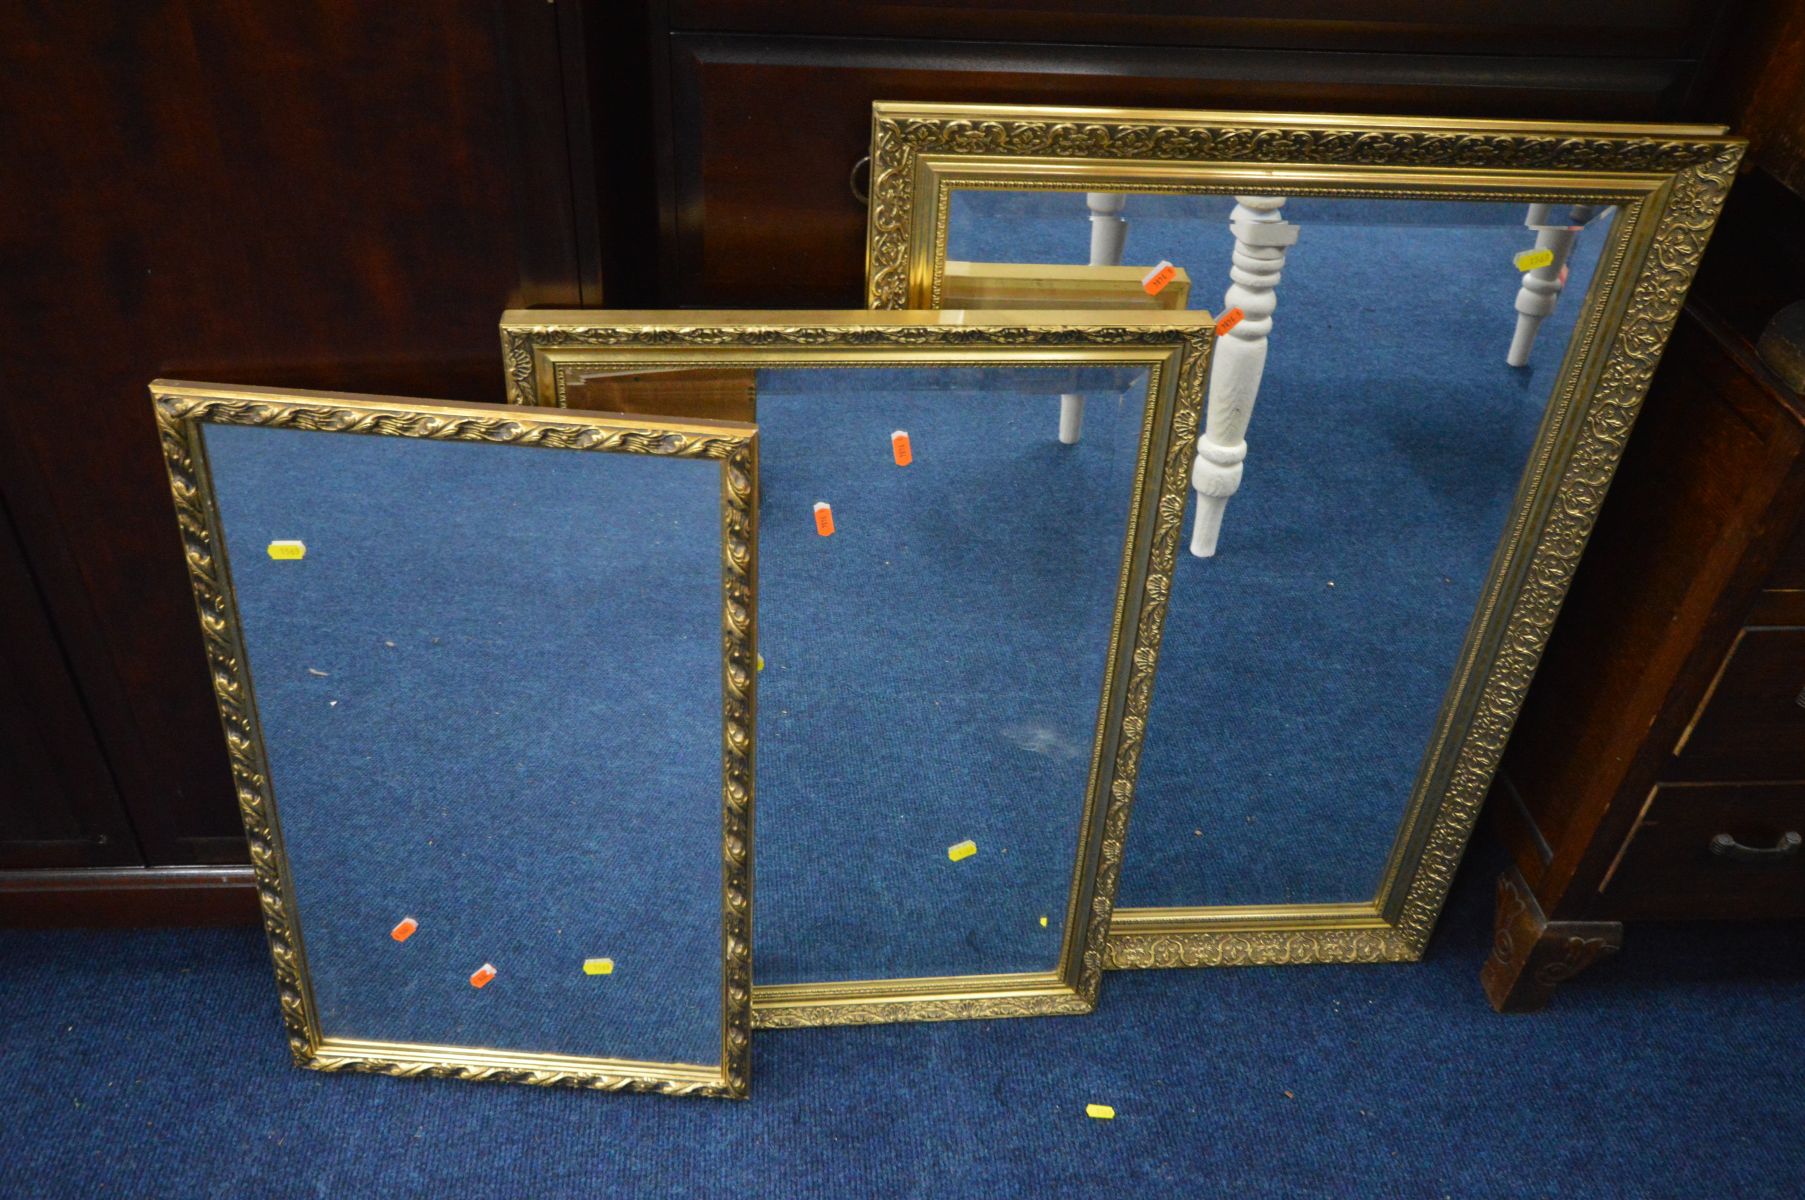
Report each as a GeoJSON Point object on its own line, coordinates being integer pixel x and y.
{"type": "Point", "coordinates": [1713, 850]}
{"type": "Point", "coordinates": [1751, 724]}
{"type": "Point", "coordinates": [1657, 770]}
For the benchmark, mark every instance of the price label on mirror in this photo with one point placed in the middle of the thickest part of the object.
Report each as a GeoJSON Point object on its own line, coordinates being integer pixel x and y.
{"type": "Point", "coordinates": [1155, 281]}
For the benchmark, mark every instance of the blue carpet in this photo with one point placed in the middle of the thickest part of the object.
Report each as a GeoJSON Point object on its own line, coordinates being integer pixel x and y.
{"type": "Point", "coordinates": [491, 696]}
{"type": "Point", "coordinates": [1302, 667]}
{"type": "Point", "coordinates": [152, 1064]}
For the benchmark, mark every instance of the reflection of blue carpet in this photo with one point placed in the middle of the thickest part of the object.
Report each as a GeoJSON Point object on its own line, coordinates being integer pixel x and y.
{"type": "Point", "coordinates": [152, 1064]}
{"type": "Point", "coordinates": [491, 692]}
{"type": "Point", "coordinates": [933, 668]}
{"type": "Point", "coordinates": [1302, 667]}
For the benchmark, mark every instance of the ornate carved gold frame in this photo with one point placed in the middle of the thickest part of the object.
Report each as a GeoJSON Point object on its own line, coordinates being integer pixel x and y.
{"type": "Point", "coordinates": [541, 348]}
{"type": "Point", "coordinates": [1669, 182]}
{"type": "Point", "coordinates": [182, 409]}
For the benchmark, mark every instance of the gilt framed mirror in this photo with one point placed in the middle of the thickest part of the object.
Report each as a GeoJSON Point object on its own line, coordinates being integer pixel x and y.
{"type": "Point", "coordinates": [1448, 327]}
{"type": "Point", "coordinates": [959, 621]}
{"type": "Point", "coordinates": [495, 838]}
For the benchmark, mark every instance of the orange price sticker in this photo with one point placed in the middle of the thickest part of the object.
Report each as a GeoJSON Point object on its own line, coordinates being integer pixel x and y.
{"type": "Point", "coordinates": [1155, 281]}
{"type": "Point", "coordinates": [899, 446]}
{"type": "Point", "coordinates": [405, 929]}
{"type": "Point", "coordinates": [483, 975]}
{"type": "Point", "coordinates": [824, 518]}
{"type": "Point", "coordinates": [1228, 321]}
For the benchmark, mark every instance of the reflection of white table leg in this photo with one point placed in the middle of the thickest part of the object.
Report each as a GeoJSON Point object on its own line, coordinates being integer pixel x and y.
{"type": "Point", "coordinates": [1542, 286]}
{"type": "Point", "coordinates": [1108, 231]}
{"type": "Point", "coordinates": [1261, 239]}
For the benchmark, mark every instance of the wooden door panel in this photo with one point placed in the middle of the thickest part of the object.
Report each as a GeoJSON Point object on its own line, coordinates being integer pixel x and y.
{"type": "Point", "coordinates": [334, 194]}
{"type": "Point", "coordinates": [58, 806]}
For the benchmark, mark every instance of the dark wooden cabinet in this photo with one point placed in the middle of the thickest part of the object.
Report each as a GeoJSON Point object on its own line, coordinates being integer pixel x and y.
{"type": "Point", "coordinates": [323, 194]}
{"type": "Point", "coordinates": [1657, 771]}
{"type": "Point", "coordinates": [764, 108]}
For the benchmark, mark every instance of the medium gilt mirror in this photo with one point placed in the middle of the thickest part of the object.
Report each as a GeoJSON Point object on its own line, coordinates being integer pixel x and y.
{"type": "Point", "coordinates": [494, 838]}
{"type": "Point", "coordinates": [1432, 342]}
{"type": "Point", "coordinates": [958, 621]}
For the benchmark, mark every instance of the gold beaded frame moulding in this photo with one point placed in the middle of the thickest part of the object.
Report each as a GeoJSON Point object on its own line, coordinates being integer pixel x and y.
{"type": "Point", "coordinates": [1668, 182]}
{"type": "Point", "coordinates": [182, 411]}
{"type": "Point", "coordinates": [544, 351]}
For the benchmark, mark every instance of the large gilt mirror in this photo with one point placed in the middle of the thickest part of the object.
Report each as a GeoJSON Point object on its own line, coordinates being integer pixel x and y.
{"type": "Point", "coordinates": [487, 683]}
{"type": "Point", "coordinates": [1432, 341]}
{"type": "Point", "coordinates": [959, 617]}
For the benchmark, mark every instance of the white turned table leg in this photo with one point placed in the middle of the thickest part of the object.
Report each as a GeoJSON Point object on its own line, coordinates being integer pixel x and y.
{"type": "Point", "coordinates": [1071, 417]}
{"type": "Point", "coordinates": [1542, 286]}
{"type": "Point", "coordinates": [1109, 229]}
{"type": "Point", "coordinates": [1261, 239]}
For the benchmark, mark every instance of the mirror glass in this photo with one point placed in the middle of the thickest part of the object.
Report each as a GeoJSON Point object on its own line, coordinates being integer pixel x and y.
{"type": "Point", "coordinates": [490, 692]}
{"type": "Point", "coordinates": [933, 666]}
{"type": "Point", "coordinates": [1402, 354]}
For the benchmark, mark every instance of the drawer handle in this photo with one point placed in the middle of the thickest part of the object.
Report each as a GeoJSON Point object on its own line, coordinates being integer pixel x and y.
{"type": "Point", "coordinates": [1729, 847]}
{"type": "Point", "coordinates": [861, 194]}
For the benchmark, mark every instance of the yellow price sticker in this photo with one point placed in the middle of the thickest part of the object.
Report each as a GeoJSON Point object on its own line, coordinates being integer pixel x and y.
{"type": "Point", "coordinates": [1529, 260]}
{"type": "Point", "coordinates": [1101, 1112]}
{"type": "Point", "coordinates": [598, 966]}
{"type": "Point", "coordinates": [959, 850]}
{"type": "Point", "coordinates": [282, 550]}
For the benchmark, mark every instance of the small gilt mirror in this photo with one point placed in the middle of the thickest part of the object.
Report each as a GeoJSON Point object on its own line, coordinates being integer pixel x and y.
{"type": "Point", "coordinates": [487, 684]}
{"type": "Point", "coordinates": [1447, 328]}
{"type": "Point", "coordinates": [959, 617]}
